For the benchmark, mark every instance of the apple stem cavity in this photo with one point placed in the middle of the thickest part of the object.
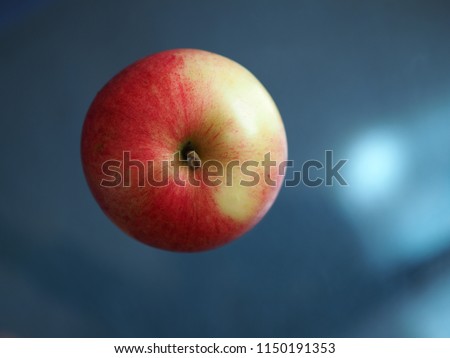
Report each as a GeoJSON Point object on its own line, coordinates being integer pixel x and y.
{"type": "Point", "coordinates": [189, 154]}
{"type": "Point", "coordinates": [193, 159]}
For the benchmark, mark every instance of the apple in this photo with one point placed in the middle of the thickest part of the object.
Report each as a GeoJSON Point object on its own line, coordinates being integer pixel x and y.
{"type": "Point", "coordinates": [201, 108]}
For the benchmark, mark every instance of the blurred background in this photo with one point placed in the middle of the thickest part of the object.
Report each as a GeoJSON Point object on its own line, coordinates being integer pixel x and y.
{"type": "Point", "coordinates": [369, 80]}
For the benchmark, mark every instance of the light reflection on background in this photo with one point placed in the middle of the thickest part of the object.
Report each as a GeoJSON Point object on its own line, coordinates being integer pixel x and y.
{"type": "Point", "coordinates": [398, 196]}
{"type": "Point", "coordinates": [378, 167]}
{"type": "Point", "coordinates": [398, 199]}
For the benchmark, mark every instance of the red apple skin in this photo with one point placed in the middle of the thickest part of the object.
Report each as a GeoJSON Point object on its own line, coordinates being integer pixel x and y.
{"type": "Point", "coordinates": [151, 108]}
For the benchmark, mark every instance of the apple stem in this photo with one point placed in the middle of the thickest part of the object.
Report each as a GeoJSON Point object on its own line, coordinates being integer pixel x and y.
{"type": "Point", "coordinates": [193, 159]}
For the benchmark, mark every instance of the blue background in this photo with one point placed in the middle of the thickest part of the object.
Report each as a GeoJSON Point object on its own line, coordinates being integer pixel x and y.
{"type": "Point", "coordinates": [369, 80]}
